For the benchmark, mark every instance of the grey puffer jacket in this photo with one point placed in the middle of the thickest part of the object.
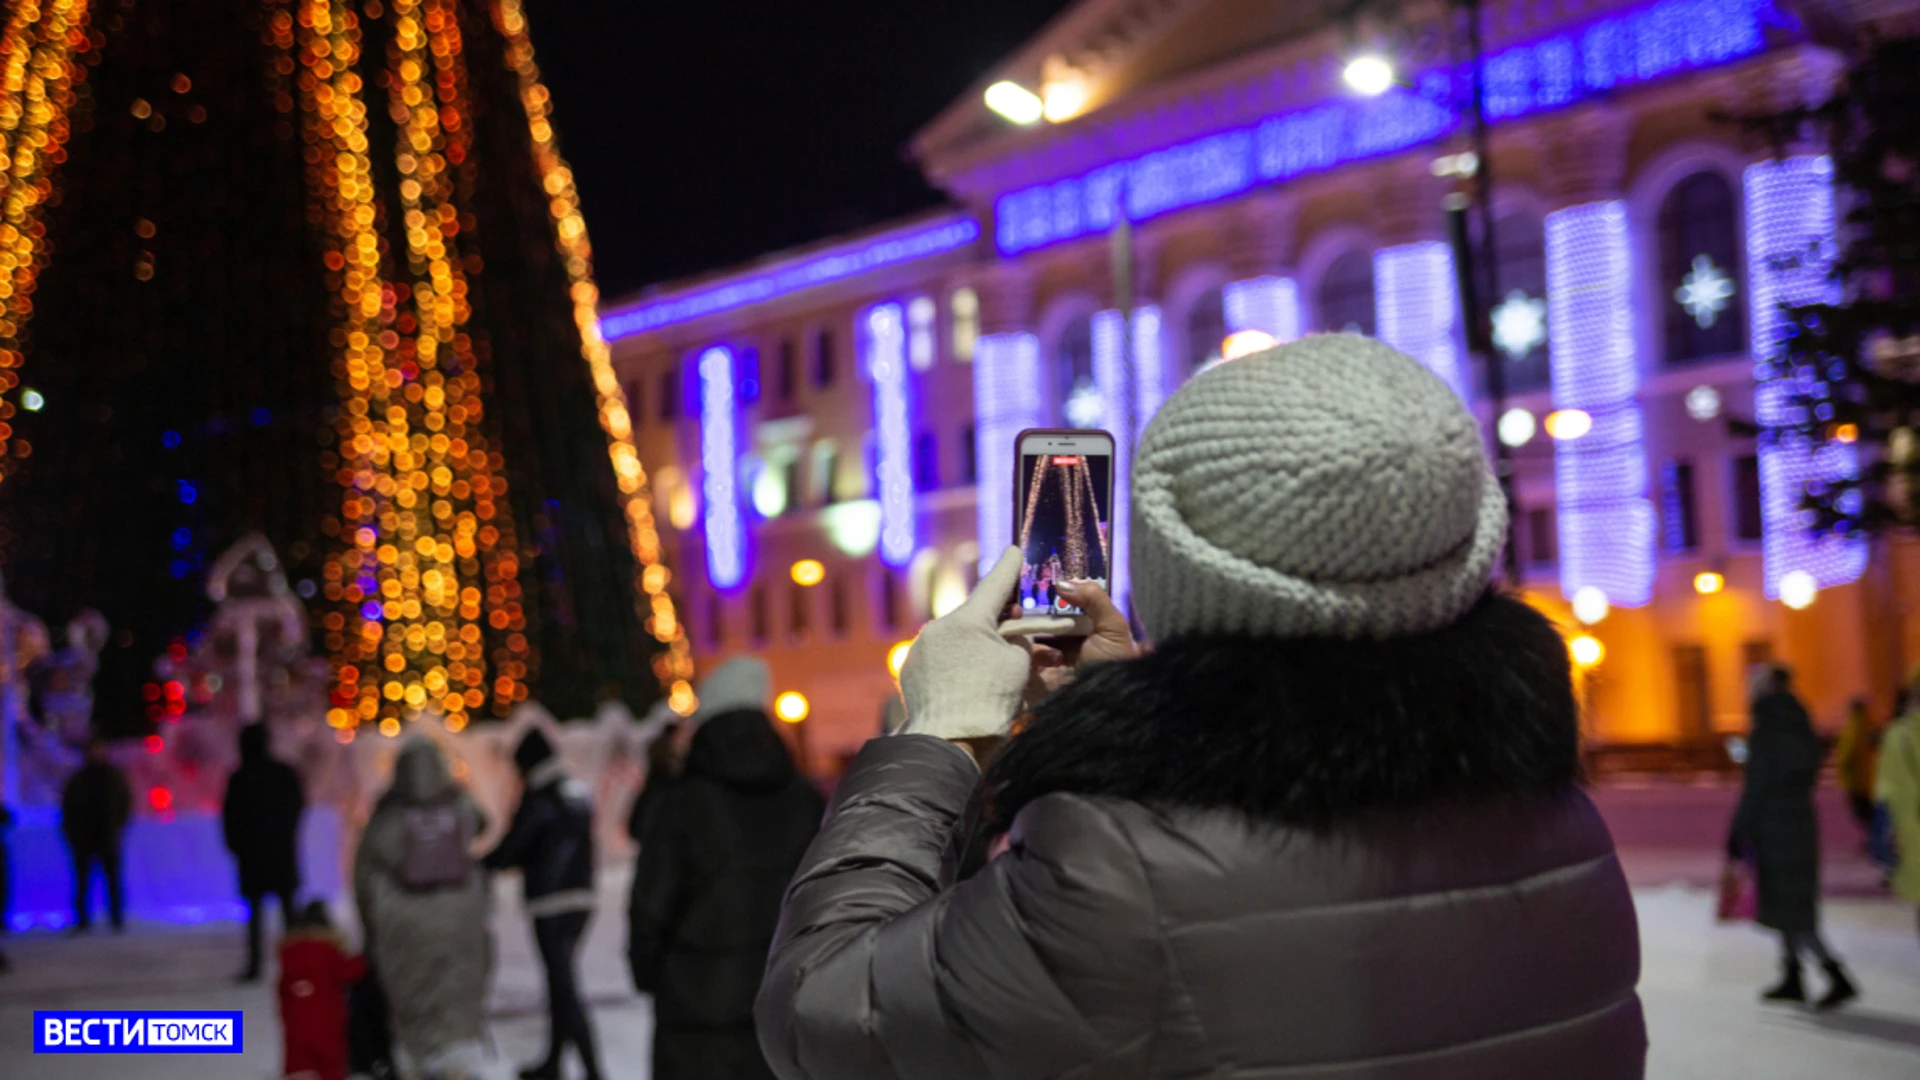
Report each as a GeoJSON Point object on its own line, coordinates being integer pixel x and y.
{"type": "Point", "coordinates": [1198, 896]}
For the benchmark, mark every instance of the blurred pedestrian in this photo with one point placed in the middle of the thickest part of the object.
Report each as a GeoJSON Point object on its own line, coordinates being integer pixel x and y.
{"type": "Point", "coordinates": [94, 810]}
{"type": "Point", "coordinates": [315, 973]}
{"type": "Point", "coordinates": [423, 910]}
{"type": "Point", "coordinates": [666, 755]}
{"type": "Point", "coordinates": [719, 848]}
{"type": "Point", "coordinates": [1897, 787]}
{"type": "Point", "coordinates": [551, 843]}
{"type": "Point", "coordinates": [261, 818]}
{"type": "Point", "coordinates": [1856, 761]}
{"type": "Point", "coordinates": [1330, 824]}
{"type": "Point", "coordinates": [1776, 825]}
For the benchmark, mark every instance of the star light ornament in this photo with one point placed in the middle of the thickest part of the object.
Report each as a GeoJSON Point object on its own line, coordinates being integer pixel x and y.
{"type": "Point", "coordinates": [1705, 291]}
{"type": "Point", "coordinates": [1519, 324]}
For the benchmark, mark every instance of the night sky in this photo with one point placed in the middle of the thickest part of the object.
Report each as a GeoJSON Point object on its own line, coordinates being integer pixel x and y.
{"type": "Point", "coordinates": [702, 134]}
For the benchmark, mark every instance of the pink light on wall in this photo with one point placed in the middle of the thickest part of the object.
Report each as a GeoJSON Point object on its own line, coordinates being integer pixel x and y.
{"type": "Point", "coordinates": [1600, 479]}
{"type": "Point", "coordinates": [1006, 401]}
{"type": "Point", "coordinates": [1419, 310]}
{"type": "Point", "coordinates": [1270, 305]}
{"type": "Point", "coordinates": [1790, 214]}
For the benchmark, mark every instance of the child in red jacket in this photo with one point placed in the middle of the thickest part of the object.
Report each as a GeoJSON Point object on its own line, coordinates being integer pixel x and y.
{"type": "Point", "coordinates": [315, 972]}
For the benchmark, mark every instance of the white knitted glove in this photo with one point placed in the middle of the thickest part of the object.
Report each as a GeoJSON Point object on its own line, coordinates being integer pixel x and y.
{"type": "Point", "coordinates": [967, 671]}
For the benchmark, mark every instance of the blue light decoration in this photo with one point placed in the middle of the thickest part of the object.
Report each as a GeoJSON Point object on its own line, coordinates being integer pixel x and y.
{"type": "Point", "coordinates": [834, 264]}
{"type": "Point", "coordinates": [884, 342]}
{"type": "Point", "coordinates": [1600, 478]}
{"type": "Point", "coordinates": [187, 493]}
{"type": "Point", "coordinates": [1790, 213]}
{"type": "Point", "coordinates": [723, 527]}
{"type": "Point", "coordinates": [1419, 310]}
{"type": "Point", "coordinates": [1624, 49]}
{"type": "Point", "coordinates": [1270, 305]}
{"type": "Point", "coordinates": [1109, 374]}
{"type": "Point", "coordinates": [170, 440]}
{"type": "Point", "coordinates": [1006, 401]}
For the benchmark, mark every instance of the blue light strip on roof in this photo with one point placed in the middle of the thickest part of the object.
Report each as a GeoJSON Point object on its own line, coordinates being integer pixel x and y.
{"type": "Point", "coordinates": [829, 266]}
{"type": "Point", "coordinates": [1653, 42]}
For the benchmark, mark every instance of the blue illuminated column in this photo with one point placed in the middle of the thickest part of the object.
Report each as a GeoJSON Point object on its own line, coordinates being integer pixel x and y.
{"type": "Point", "coordinates": [1600, 479]}
{"type": "Point", "coordinates": [1148, 392]}
{"type": "Point", "coordinates": [884, 343]}
{"type": "Point", "coordinates": [1789, 214]}
{"type": "Point", "coordinates": [723, 526]}
{"type": "Point", "coordinates": [1418, 309]}
{"type": "Point", "coordinates": [1268, 304]}
{"type": "Point", "coordinates": [1006, 401]}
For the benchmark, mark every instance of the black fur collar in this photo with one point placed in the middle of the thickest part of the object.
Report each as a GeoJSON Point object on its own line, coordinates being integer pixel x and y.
{"type": "Point", "coordinates": [1310, 733]}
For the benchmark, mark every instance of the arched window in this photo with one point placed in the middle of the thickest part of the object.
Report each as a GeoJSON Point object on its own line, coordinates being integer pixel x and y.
{"type": "Point", "coordinates": [1206, 329]}
{"type": "Point", "coordinates": [964, 311]}
{"type": "Point", "coordinates": [1701, 290]}
{"type": "Point", "coordinates": [1520, 300]}
{"type": "Point", "coordinates": [1345, 300]}
{"type": "Point", "coordinates": [1078, 399]}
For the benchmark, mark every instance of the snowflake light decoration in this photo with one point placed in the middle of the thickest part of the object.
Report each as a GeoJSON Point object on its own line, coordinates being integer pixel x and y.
{"type": "Point", "coordinates": [1519, 324]}
{"type": "Point", "coordinates": [1705, 291]}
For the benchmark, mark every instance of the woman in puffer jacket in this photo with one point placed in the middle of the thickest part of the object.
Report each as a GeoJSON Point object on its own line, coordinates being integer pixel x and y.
{"type": "Point", "coordinates": [1329, 826]}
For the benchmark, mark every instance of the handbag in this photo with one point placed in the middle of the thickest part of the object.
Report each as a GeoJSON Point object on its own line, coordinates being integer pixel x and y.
{"type": "Point", "coordinates": [1739, 899]}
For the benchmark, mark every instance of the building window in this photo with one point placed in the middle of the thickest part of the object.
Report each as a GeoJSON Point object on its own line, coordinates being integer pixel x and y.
{"type": "Point", "coordinates": [669, 394]}
{"type": "Point", "coordinates": [1746, 498]}
{"type": "Point", "coordinates": [749, 375]}
{"type": "Point", "coordinates": [1520, 301]}
{"type": "Point", "coordinates": [1078, 401]}
{"type": "Point", "coordinates": [1206, 330]}
{"type": "Point", "coordinates": [837, 614]}
{"type": "Point", "coordinates": [889, 601]}
{"type": "Point", "coordinates": [926, 462]}
{"type": "Point", "coordinates": [799, 610]}
{"type": "Point", "coordinates": [791, 478]}
{"type": "Point", "coordinates": [963, 308]}
{"type": "Point", "coordinates": [716, 621]}
{"type": "Point", "coordinates": [921, 316]}
{"type": "Point", "coordinates": [824, 360]}
{"type": "Point", "coordinates": [1345, 300]}
{"type": "Point", "coordinates": [757, 613]}
{"type": "Point", "coordinates": [636, 400]}
{"type": "Point", "coordinates": [1679, 528]}
{"type": "Point", "coordinates": [1755, 653]}
{"type": "Point", "coordinates": [826, 472]}
{"type": "Point", "coordinates": [1700, 270]}
{"type": "Point", "coordinates": [786, 375]}
{"type": "Point", "coordinates": [1690, 680]}
{"type": "Point", "coordinates": [969, 456]}
{"type": "Point", "coordinates": [1542, 537]}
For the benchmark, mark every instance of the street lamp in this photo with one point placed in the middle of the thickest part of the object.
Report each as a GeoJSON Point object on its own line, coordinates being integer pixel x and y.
{"type": "Point", "coordinates": [1369, 74]}
{"type": "Point", "coordinates": [1015, 102]}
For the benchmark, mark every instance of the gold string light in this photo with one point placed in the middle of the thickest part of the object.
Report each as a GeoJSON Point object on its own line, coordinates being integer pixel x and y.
{"type": "Point", "coordinates": [39, 52]}
{"type": "Point", "coordinates": [674, 665]}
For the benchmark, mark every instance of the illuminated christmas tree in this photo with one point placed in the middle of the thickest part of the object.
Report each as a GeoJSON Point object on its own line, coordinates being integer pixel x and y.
{"type": "Point", "coordinates": [315, 268]}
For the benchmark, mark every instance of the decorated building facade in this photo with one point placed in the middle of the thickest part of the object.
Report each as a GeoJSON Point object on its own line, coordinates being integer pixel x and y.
{"type": "Point", "coordinates": [831, 429]}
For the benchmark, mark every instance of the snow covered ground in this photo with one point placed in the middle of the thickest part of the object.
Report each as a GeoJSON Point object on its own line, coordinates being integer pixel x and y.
{"type": "Point", "coordinates": [1699, 987]}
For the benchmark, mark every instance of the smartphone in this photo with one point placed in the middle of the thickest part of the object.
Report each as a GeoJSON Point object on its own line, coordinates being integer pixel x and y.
{"type": "Point", "coordinates": [1062, 517]}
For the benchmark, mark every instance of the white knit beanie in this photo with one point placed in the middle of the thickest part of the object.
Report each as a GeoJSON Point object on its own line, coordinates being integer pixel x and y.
{"type": "Point", "coordinates": [1331, 487]}
{"type": "Point", "coordinates": [744, 682]}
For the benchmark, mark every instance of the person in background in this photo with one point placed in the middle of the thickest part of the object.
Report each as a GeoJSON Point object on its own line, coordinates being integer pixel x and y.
{"type": "Point", "coordinates": [666, 755]}
{"type": "Point", "coordinates": [1776, 825]}
{"type": "Point", "coordinates": [94, 810]}
{"type": "Point", "coordinates": [1897, 787]}
{"type": "Point", "coordinates": [1855, 761]}
{"type": "Point", "coordinates": [718, 850]}
{"type": "Point", "coordinates": [1329, 825]}
{"type": "Point", "coordinates": [423, 914]}
{"type": "Point", "coordinates": [261, 819]}
{"type": "Point", "coordinates": [551, 843]}
{"type": "Point", "coordinates": [316, 972]}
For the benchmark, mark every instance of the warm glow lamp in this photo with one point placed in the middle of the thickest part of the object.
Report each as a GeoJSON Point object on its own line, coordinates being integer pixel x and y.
{"type": "Point", "coordinates": [791, 706]}
{"type": "Point", "coordinates": [1706, 583]}
{"type": "Point", "coordinates": [897, 657]}
{"type": "Point", "coordinates": [1015, 102]}
{"type": "Point", "coordinates": [1587, 650]}
{"type": "Point", "coordinates": [1245, 343]}
{"type": "Point", "coordinates": [1565, 424]}
{"type": "Point", "coordinates": [1590, 605]}
{"type": "Point", "coordinates": [808, 573]}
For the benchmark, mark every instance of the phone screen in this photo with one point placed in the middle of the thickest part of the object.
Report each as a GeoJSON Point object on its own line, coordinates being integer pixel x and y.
{"type": "Point", "coordinates": [1064, 526]}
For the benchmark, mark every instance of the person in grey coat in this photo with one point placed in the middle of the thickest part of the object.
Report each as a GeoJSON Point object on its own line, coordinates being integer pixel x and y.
{"type": "Point", "coordinates": [1776, 826]}
{"type": "Point", "coordinates": [423, 913]}
{"type": "Point", "coordinates": [1329, 826]}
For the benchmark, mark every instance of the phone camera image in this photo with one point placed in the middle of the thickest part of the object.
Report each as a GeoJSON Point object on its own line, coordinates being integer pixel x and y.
{"type": "Point", "coordinates": [1066, 533]}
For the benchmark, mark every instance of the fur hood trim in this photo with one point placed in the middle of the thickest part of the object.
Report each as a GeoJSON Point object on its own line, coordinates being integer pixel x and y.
{"type": "Point", "coordinates": [1310, 733]}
